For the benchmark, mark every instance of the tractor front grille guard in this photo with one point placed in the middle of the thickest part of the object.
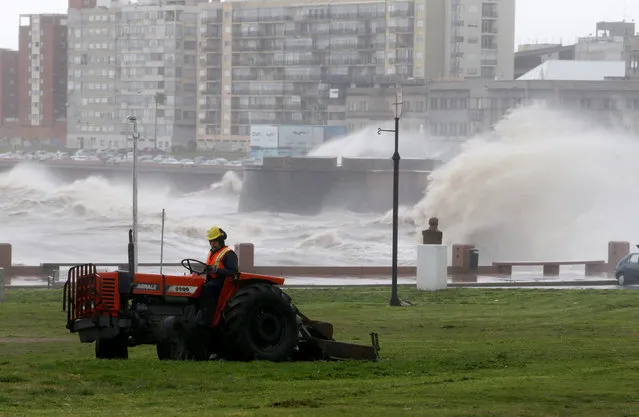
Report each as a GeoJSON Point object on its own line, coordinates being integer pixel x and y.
{"type": "Point", "coordinates": [82, 293]}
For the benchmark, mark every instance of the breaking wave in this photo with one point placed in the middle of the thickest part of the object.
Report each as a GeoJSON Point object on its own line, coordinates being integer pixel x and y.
{"type": "Point", "coordinates": [87, 220]}
{"type": "Point", "coordinates": [546, 184]}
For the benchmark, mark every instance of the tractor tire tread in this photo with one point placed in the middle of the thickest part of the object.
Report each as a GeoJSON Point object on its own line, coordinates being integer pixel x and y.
{"type": "Point", "coordinates": [236, 319]}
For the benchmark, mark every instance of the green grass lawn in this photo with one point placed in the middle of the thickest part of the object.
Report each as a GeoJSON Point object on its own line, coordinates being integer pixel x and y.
{"type": "Point", "coordinates": [461, 352]}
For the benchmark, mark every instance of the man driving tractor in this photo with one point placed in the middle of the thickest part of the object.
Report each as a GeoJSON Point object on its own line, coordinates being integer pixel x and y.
{"type": "Point", "coordinates": [223, 263]}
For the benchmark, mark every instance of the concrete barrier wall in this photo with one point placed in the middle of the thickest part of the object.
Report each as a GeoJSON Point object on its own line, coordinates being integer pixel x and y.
{"type": "Point", "coordinates": [299, 163]}
{"type": "Point", "coordinates": [307, 185]}
{"type": "Point", "coordinates": [288, 191]}
{"type": "Point", "coordinates": [386, 164]}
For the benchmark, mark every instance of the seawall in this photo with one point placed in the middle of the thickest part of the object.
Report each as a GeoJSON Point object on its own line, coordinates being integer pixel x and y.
{"type": "Point", "coordinates": [309, 185]}
{"type": "Point", "coordinates": [186, 177]}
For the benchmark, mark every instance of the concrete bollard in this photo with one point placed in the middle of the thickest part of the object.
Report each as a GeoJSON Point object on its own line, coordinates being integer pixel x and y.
{"type": "Point", "coordinates": [1, 285]}
{"type": "Point", "coordinates": [616, 251]}
{"type": "Point", "coordinates": [432, 267]}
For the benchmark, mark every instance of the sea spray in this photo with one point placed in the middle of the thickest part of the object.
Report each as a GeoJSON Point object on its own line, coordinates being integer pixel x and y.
{"type": "Point", "coordinates": [547, 184]}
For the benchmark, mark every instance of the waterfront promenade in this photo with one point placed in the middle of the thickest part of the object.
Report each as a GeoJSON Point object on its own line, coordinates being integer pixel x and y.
{"type": "Point", "coordinates": [460, 274]}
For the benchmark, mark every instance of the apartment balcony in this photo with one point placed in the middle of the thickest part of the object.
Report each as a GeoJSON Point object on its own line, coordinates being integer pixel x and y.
{"type": "Point", "coordinates": [215, 47]}
{"type": "Point", "coordinates": [344, 31]}
{"type": "Point", "coordinates": [293, 106]}
{"type": "Point", "coordinates": [275, 92]}
{"type": "Point", "coordinates": [211, 91]}
{"type": "Point", "coordinates": [408, 12]}
{"type": "Point", "coordinates": [255, 107]}
{"type": "Point", "coordinates": [366, 15]}
{"type": "Point", "coordinates": [401, 29]}
{"type": "Point", "coordinates": [260, 33]}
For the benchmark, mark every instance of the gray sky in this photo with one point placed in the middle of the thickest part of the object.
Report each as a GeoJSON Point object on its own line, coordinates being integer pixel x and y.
{"type": "Point", "coordinates": [537, 20]}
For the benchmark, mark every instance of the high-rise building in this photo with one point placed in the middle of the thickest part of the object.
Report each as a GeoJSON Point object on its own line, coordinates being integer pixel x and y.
{"type": "Point", "coordinates": [133, 59]}
{"type": "Point", "coordinates": [480, 39]}
{"type": "Point", "coordinates": [9, 82]}
{"type": "Point", "coordinates": [287, 63]}
{"type": "Point", "coordinates": [42, 65]}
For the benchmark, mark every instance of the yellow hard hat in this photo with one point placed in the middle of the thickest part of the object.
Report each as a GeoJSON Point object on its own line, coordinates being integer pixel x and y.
{"type": "Point", "coordinates": [215, 232]}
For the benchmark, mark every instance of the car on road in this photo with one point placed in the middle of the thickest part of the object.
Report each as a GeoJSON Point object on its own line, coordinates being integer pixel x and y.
{"type": "Point", "coordinates": [627, 269]}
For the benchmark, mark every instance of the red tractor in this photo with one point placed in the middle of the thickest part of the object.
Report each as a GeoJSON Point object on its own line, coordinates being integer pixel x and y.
{"type": "Point", "coordinates": [254, 319]}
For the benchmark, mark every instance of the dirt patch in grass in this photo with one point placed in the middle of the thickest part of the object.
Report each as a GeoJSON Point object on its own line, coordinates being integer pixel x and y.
{"type": "Point", "coordinates": [32, 340]}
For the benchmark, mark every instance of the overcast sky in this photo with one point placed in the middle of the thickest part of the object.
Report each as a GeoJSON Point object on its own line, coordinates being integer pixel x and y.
{"type": "Point", "coordinates": [537, 20]}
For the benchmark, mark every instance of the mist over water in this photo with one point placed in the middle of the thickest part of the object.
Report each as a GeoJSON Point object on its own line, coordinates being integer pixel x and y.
{"type": "Point", "coordinates": [546, 184]}
{"type": "Point", "coordinates": [368, 144]}
{"type": "Point", "coordinates": [47, 219]}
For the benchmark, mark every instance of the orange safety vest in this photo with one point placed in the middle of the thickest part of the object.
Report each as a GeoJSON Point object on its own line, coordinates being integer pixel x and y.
{"type": "Point", "coordinates": [215, 258]}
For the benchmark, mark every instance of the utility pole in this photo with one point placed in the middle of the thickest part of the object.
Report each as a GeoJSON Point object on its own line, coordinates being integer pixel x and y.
{"type": "Point", "coordinates": [136, 137]}
{"type": "Point", "coordinates": [395, 301]}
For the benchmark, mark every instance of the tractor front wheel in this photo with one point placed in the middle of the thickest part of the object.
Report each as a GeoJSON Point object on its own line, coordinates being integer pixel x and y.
{"type": "Point", "coordinates": [114, 348]}
{"type": "Point", "coordinates": [173, 344]}
{"type": "Point", "coordinates": [259, 323]}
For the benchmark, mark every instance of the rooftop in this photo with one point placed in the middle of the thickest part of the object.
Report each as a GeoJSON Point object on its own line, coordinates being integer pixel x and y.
{"type": "Point", "coordinates": [576, 70]}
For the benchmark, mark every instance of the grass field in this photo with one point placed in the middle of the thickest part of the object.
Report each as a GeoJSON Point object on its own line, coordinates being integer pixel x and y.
{"type": "Point", "coordinates": [462, 352]}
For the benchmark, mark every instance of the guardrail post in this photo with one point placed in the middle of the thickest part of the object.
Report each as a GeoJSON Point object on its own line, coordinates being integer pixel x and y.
{"type": "Point", "coordinates": [1, 285]}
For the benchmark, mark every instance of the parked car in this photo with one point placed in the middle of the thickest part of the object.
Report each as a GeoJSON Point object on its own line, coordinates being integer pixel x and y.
{"type": "Point", "coordinates": [627, 269]}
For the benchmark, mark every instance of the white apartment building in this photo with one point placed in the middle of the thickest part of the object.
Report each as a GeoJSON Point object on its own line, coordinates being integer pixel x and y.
{"type": "Point", "coordinates": [282, 62]}
{"type": "Point", "coordinates": [194, 71]}
{"type": "Point", "coordinates": [136, 60]}
{"type": "Point", "coordinates": [480, 39]}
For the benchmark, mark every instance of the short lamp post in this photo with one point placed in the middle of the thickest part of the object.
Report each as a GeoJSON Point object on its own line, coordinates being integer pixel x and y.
{"type": "Point", "coordinates": [136, 137]}
{"type": "Point", "coordinates": [397, 108]}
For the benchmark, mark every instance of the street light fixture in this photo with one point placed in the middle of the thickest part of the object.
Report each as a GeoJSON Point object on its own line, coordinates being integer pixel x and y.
{"type": "Point", "coordinates": [397, 109]}
{"type": "Point", "coordinates": [136, 137]}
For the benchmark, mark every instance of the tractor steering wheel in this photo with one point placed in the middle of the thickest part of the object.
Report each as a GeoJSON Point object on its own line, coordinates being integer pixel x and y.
{"type": "Point", "coordinates": [200, 268]}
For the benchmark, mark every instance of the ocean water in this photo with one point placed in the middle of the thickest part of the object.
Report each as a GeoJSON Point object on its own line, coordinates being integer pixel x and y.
{"type": "Point", "coordinates": [545, 184]}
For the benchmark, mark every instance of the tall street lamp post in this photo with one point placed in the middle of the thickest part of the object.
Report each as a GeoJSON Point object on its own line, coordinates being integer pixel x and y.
{"type": "Point", "coordinates": [136, 137]}
{"type": "Point", "coordinates": [397, 109]}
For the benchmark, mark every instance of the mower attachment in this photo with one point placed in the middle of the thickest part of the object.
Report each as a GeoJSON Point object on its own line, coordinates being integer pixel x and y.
{"type": "Point", "coordinates": [317, 336]}
{"type": "Point", "coordinates": [332, 349]}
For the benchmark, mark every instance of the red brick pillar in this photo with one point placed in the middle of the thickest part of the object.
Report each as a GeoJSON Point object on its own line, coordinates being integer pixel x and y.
{"type": "Point", "coordinates": [461, 256]}
{"type": "Point", "coordinates": [5, 256]}
{"type": "Point", "coordinates": [246, 255]}
{"type": "Point", "coordinates": [616, 251]}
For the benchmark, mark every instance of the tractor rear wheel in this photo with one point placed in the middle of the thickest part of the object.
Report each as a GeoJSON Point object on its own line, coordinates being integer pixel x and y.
{"type": "Point", "coordinates": [259, 323]}
{"type": "Point", "coordinates": [114, 348]}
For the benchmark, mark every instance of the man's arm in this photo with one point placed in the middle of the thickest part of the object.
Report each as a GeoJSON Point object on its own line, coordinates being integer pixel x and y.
{"type": "Point", "coordinates": [231, 266]}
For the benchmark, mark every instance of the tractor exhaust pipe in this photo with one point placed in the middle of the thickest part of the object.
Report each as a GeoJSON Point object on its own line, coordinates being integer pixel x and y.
{"type": "Point", "coordinates": [131, 253]}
